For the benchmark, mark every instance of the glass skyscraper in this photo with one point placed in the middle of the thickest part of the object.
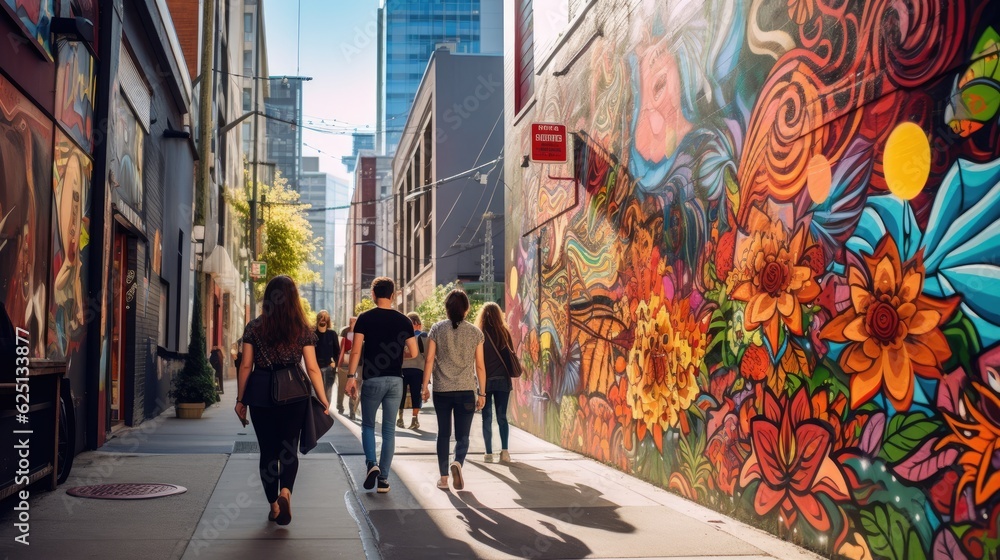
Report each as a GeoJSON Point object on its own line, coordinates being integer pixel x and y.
{"type": "Point", "coordinates": [409, 31]}
{"type": "Point", "coordinates": [283, 108]}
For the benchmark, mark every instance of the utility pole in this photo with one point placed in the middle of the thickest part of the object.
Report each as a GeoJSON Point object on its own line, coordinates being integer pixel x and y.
{"type": "Point", "coordinates": [205, 127]}
{"type": "Point", "coordinates": [487, 272]}
{"type": "Point", "coordinates": [256, 124]}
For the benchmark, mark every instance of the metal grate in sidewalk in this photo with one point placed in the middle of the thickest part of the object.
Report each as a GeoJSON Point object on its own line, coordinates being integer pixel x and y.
{"type": "Point", "coordinates": [243, 446]}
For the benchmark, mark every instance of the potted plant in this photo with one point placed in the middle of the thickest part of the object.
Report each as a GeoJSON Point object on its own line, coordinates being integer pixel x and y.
{"type": "Point", "coordinates": [194, 387]}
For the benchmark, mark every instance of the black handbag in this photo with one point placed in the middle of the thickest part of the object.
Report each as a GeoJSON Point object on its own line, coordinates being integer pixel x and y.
{"type": "Point", "coordinates": [315, 424]}
{"type": "Point", "coordinates": [510, 363]}
{"type": "Point", "coordinates": [288, 385]}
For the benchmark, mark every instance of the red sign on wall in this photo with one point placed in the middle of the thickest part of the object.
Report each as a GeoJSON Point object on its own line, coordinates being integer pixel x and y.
{"type": "Point", "coordinates": [548, 142]}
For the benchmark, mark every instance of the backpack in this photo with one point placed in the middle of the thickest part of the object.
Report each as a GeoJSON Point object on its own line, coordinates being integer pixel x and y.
{"type": "Point", "coordinates": [420, 342]}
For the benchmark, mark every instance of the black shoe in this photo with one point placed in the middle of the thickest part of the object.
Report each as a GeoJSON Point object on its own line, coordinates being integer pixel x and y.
{"type": "Point", "coordinates": [373, 472]}
{"type": "Point", "coordinates": [383, 486]}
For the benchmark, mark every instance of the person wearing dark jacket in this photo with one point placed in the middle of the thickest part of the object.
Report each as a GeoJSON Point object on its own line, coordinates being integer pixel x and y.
{"type": "Point", "coordinates": [498, 383]}
{"type": "Point", "coordinates": [327, 349]}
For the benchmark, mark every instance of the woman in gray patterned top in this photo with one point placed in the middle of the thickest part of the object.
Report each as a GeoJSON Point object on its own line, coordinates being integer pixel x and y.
{"type": "Point", "coordinates": [455, 357]}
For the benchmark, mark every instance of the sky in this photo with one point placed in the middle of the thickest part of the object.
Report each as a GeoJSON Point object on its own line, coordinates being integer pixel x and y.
{"type": "Point", "coordinates": [335, 46]}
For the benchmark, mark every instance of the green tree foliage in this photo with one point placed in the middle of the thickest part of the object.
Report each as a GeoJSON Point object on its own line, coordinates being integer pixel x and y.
{"type": "Point", "coordinates": [365, 304]}
{"type": "Point", "coordinates": [287, 244]}
{"type": "Point", "coordinates": [196, 382]}
{"type": "Point", "coordinates": [431, 309]}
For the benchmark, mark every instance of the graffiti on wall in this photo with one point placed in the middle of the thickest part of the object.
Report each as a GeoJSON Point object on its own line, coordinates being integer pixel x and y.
{"type": "Point", "coordinates": [34, 17]}
{"type": "Point", "coordinates": [26, 175]}
{"type": "Point", "coordinates": [777, 293]}
{"type": "Point", "coordinates": [70, 236]}
{"type": "Point", "coordinates": [76, 85]}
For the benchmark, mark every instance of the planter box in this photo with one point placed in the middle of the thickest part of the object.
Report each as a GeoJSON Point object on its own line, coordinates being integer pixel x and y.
{"type": "Point", "coordinates": [189, 410]}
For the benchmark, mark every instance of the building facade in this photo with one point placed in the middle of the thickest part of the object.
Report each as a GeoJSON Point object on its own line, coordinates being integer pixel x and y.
{"type": "Point", "coordinates": [97, 200]}
{"type": "Point", "coordinates": [324, 193]}
{"type": "Point", "coordinates": [283, 108]}
{"type": "Point", "coordinates": [447, 176]}
{"type": "Point", "coordinates": [765, 279]}
{"type": "Point", "coordinates": [362, 254]}
{"type": "Point", "coordinates": [361, 142]}
{"type": "Point", "coordinates": [408, 32]}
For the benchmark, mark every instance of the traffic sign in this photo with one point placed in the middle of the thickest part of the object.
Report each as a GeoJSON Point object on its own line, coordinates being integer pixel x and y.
{"type": "Point", "coordinates": [258, 269]}
{"type": "Point", "coordinates": [548, 142]}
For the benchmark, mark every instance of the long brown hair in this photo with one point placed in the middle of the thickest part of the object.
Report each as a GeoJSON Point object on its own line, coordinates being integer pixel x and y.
{"type": "Point", "coordinates": [282, 321]}
{"type": "Point", "coordinates": [491, 321]}
{"type": "Point", "coordinates": [456, 304]}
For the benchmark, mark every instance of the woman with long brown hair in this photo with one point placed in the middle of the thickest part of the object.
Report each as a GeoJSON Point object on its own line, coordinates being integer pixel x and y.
{"type": "Point", "coordinates": [498, 383]}
{"type": "Point", "coordinates": [279, 338]}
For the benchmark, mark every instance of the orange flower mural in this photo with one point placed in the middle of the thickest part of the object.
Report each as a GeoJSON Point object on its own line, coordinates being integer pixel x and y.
{"type": "Point", "coordinates": [892, 329]}
{"type": "Point", "coordinates": [776, 276]}
{"type": "Point", "coordinates": [663, 364]}
{"type": "Point", "coordinates": [978, 432]}
{"type": "Point", "coordinates": [791, 458]}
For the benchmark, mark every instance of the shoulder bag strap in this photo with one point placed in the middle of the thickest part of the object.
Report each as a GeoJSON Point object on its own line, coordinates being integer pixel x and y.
{"type": "Point", "coordinates": [490, 339]}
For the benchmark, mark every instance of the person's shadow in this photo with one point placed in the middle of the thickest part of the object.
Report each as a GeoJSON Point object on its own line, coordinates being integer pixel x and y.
{"type": "Point", "coordinates": [578, 504]}
{"type": "Point", "coordinates": [509, 536]}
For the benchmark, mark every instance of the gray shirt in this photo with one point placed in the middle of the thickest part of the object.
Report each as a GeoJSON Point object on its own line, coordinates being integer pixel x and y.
{"type": "Point", "coordinates": [455, 356]}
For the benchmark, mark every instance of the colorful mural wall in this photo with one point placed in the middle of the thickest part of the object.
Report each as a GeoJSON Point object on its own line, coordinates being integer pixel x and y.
{"type": "Point", "coordinates": [774, 287]}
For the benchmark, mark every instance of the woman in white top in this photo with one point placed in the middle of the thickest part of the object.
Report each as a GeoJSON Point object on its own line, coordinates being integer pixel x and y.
{"type": "Point", "coordinates": [455, 358]}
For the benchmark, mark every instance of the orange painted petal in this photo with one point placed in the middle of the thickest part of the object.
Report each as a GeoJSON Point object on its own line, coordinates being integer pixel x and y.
{"type": "Point", "coordinates": [924, 321]}
{"type": "Point", "coordinates": [872, 348]}
{"type": "Point", "coordinates": [856, 331]}
{"type": "Point", "coordinates": [920, 353]}
{"type": "Point", "coordinates": [810, 290]}
{"type": "Point", "coordinates": [794, 321]}
{"type": "Point", "coordinates": [906, 310]}
{"type": "Point", "coordinates": [743, 292]}
{"type": "Point", "coordinates": [885, 275]}
{"type": "Point", "coordinates": [865, 384]}
{"type": "Point", "coordinates": [855, 360]}
{"type": "Point", "coordinates": [859, 297]}
{"type": "Point", "coordinates": [760, 309]}
{"type": "Point", "coordinates": [767, 499]}
{"type": "Point", "coordinates": [812, 511]}
{"type": "Point", "coordinates": [897, 373]}
{"type": "Point", "coordinates": [834, 329]}
{"type": "Point", "coordinates": [785, 303]}
{"type": "Point", "coordinates": [831, 481]}
{"type": "Point", "coordinates": [913, 281]}
{"type": "Point", "coordinates": [771, 329]}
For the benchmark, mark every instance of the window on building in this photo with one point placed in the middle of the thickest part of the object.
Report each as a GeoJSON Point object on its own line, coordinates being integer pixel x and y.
{"type": "Point", "coordinates": [248, 28]}
{"type": "Point", "coordinates": [524, 56]}
{"type": "Point", "coordinates": [247, 99]}
{"type": "Point", "coordinates": [248, 63]}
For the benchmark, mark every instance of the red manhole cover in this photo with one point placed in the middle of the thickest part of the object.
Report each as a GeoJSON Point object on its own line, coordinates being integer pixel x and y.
{"type": "Point", "coordinates": [128, 491]}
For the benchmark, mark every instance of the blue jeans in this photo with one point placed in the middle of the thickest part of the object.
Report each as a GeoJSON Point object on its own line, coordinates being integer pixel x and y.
{"type": "Point", "coordinates": [500, 398]}
{"type": "Point", "coordinates": [387, 392]}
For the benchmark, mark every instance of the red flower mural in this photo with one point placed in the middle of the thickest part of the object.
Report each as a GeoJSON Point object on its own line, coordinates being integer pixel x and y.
{"type": "Point", "coordinates": [791, 458]}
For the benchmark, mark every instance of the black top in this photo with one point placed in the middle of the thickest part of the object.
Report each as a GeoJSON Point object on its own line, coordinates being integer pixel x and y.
{"type": "Point", "coordinates": [327, 347]}
{"type": "Point", "coordinates": [386, 332]}
{"type": "Point", "coordinates": [267, 358]}
{"type": "Point", "coordinates": [497, 378]}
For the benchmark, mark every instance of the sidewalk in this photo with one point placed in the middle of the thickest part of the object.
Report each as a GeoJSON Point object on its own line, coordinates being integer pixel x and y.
{"type": "Point", "coordinates": [547, 503]}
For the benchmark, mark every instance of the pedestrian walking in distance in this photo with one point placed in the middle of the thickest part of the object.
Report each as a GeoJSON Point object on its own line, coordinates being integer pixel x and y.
{"type": "Point", "coordinates": [413, 374]}
{"type": "Point", "coordinates": [346, 336]}
{"type": "Point", "coordinates": [498, 381]}
{"type": "Point", "coordinates": [327, 349]}
{"type": "Point", "coordinates": [385, 337]}
{"type": "Point", "coordinates": [455, 359]}
{"type": "Point", "coordinates": [279, 338]}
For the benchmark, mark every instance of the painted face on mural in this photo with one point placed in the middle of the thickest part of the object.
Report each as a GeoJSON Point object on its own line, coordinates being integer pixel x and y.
{"type": "Point", "coordinates": [660, 125]}
{"type": "Point", "coordinates": [70, 208]}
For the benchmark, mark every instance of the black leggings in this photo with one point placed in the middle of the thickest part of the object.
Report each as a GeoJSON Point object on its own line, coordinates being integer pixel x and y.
{"type": "Point", "coordinates": [277, 429]}
{"type": "Point", "coordinates": [463, 404]}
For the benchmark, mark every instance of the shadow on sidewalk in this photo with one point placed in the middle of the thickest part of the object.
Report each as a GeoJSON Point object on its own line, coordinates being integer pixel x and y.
{"type": "Point", "coordinates": [578, 504]}
{"type": "Point", "coordinates": [508, 536]}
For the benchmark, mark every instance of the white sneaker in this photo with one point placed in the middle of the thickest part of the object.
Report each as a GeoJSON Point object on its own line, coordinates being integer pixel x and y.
{"type": "Point", "coordinates": [488, 457]}
{"type": "Point", "coordinates": [504, 456]}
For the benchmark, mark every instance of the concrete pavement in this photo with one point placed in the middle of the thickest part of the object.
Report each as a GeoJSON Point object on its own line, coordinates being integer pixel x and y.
{"type": "Point", "coordinates": [546, 503]}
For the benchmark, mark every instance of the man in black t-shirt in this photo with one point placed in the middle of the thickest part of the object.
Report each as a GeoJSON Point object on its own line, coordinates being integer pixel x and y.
{"type": "Point", "coordinates": [385, 337]}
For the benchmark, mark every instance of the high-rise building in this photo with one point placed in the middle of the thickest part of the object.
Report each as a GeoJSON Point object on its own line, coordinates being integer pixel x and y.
{"type": "Point", "coordinates": [362, 142]}
{"type": "Point", "coordinates": [408, 32]}
{"type": "Point", "coordinates": [283, 108]}
{"type": "Point", "coordinates": [322, 192]}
